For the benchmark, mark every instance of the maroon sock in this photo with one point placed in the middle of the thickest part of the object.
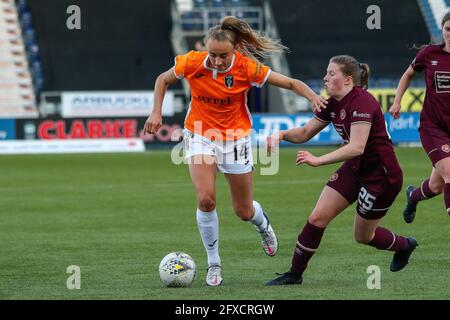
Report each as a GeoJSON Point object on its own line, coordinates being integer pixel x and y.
{"type": "Point", "coordinates": [447, 197]}
{"type": "Point", "coordinates": [309, 238]}
{"type": "Point", "coordinates": [385, 239]}
{"type": "Point", "coordinates": [423, 192]}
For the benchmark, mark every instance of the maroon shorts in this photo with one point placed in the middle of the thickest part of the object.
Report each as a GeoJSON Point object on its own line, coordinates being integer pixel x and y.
{"type": "Point", "coordinates": [436, 146]}
{"type": "Point", "coordinates": [374, 198]}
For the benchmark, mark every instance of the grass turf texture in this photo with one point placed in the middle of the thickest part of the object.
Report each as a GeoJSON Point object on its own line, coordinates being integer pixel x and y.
{"type": "Point", "coordinates": [117, 215]}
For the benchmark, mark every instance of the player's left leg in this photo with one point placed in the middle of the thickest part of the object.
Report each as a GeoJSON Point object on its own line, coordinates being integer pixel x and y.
{"type": "Point", "coordinates": [373, 203]}
{"type": "Point", "coordinates": [331, 203]}
{"type": "Point", "coordinates": [438, 150]}
{"type": "Point", "coordinates": [368, 232]}
{"type": "Point", "coordinates": [241, 189]}
{"type": "Point", "coordinates": [443, 166]}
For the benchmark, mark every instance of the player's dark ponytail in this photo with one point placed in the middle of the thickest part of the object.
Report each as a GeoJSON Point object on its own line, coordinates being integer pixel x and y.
{"type": "Point", "coordinates": [349, 66]}
{"type": "Point", "coordinates": [365, 73]}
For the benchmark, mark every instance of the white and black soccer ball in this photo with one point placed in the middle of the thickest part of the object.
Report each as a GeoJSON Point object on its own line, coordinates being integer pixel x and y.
{"type": "Point", "coordinates": [177, 269]}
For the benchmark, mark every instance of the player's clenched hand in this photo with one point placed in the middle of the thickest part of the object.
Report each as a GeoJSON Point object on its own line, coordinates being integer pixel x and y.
{"type": "Point", "coordinates": [318, 103]}
{"type": "Point", "coordinates": [273, 141]}
{"type": "Point", "coordinates": [153, 123]}
{"type": "Point", "coordinates": [308, 158]}
{"type": "Point", "coordinates": [395, 110]}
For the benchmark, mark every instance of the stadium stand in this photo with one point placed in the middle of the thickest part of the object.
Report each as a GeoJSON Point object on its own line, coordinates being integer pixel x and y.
{"type": "Point", "coordinates": [113, 50]}
{"type": "Point", "coordinates": [315, 33]}
{"type": "Point", "coordinates": [433, 11]}
{"type": "Point", "coordinates": [31, 46]}
{"type": "Point", "coordinates": [116, 50]}
{"type": "Point", "coordinates": [17, 98]}
{"type": "Point", "coordinates": [200, 15]}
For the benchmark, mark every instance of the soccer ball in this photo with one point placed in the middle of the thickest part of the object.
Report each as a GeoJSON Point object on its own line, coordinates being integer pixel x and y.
{"type": "Point", "coordinates": [177, 269]}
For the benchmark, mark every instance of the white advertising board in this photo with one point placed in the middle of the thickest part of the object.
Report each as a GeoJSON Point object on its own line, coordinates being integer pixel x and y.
{"type": "Point", "coordinates": [71, 146]}
{"type": "Point", "coordinates": [76, 104]}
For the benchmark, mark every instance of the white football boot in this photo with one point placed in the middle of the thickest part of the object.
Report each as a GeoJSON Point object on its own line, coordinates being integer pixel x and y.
{"type": "Point", "coordinates": [269, 239]}
{"type": "Point", "coordinates": [214, 275]}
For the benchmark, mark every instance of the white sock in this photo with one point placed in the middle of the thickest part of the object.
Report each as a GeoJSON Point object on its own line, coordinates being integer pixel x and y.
{"type": "Point", "coordinates": [208, 225]}
{"type": "Point", "coordinates": [259, 220]}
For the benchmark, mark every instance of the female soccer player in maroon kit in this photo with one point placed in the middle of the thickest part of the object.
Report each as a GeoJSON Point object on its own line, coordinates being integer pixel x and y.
{"type": "Point", "coordinates": [370, 174]}
{"type": "Point", "coordinates": [434, 119]}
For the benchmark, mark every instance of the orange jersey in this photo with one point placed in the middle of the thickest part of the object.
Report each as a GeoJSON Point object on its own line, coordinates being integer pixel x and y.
{"type": "Point", "coordinates": [218, 105]}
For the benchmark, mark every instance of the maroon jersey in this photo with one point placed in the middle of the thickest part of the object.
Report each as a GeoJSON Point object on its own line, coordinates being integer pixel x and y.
{"type": "Point", "coordinates": [378, 160]}
{"type": "Point", "coordinates": [435, 115]}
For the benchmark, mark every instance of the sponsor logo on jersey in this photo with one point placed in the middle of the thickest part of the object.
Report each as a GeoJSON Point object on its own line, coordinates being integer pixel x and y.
{"type": "Point", "coordinates": [442, 81]}
{"type": "Point", "coordinates": [445, 148]}
{"type": "Point", "coordinates": [360, 115]}
{"type": "Point", "coordinates": [229, 81]}
{"type": "Point", "coordinates": [434, 62]}
{"type": "Point", "coordinates": [213, 100]}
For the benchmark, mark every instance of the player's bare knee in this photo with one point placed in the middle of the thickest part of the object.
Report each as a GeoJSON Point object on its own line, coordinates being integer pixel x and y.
{"type": "Point", "coordinates": [207, 204]}
{"type": "Point", "coordinates": [244, 212]}
{"type": "Point", "coordinates": [436, 187]}
{"type": "Point", "coordinates": [445, 172]}
{"type": "Point", "coordinates": [318, 219]}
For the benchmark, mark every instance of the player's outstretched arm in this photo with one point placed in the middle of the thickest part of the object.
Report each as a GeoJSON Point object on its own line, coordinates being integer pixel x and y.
{"type": "Point", "coordinates": [358, 139]}
{"type": "Point", "coordinates": [154, 121]}
{"type": "Point", "coordinates": [401, 88]}
{"type": "Point", "coordinates": [298, 87]}
{"type": "Point", "coordinates": [296, 135]}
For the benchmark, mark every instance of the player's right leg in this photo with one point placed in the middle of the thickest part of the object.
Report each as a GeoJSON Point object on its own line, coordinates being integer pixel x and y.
{"type": "Point", "coordinates": [443, 166]}
{"type": "Point", "coordinates": [437, 147]}
{"type": "Point", "coordinates": [249, 210]}
{"type": "Point", "coordinates": [329, 205]}
{"type": "Point", "coordinates": [203, 169]}
{"type": "Point", "coordinates": [236, 162]}
{"type": "Point", "coordinates": [367, 231]}
{"type": "Point", "coordinates": [428, 189]}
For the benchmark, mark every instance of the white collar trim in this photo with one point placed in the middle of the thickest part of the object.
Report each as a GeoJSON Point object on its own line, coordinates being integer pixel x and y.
{"type": "Point", "coordinates": [214, 70]}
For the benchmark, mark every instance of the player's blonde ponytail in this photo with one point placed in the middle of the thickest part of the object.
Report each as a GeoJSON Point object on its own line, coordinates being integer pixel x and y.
{"type": "Point", "coordinates": [248, 41]}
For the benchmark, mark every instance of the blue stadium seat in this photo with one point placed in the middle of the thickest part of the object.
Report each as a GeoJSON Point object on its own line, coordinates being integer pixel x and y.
{"type": "Point", "coordinates": [217, 3]}
{"type": "Point", "coordinates": [29, 34]}
{"type": "Point", "coordinates": [216, 15]}
{"type": "Point", "coordinates": [22, 6]}
{"type": "Point", "coordinates": [187, 25]}
{"type": "Point", "coordinates": [36, 66]}
{"type": "Point", "coordinates": [33, 53]}
{"type": "Point", "coordinates": [386, 83]}
{"type": "Point", "coordinates": [200, 4]}
{"type": "Point", "coordinates": [238, 3]}
{"type": "Point", "coordinates": [38, 84]}
{"type": "Point", "coordinates": [26, 20]}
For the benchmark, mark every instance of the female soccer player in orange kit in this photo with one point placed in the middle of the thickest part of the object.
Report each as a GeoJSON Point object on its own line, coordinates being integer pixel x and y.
{"type": "Point", "coordinates": [218, 125]}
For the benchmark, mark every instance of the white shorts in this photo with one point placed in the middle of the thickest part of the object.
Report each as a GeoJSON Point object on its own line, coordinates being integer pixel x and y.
{"type": "Point", "coordinates": [233, 157]}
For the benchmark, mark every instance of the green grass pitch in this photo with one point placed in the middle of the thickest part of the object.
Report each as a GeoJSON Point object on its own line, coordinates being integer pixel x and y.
{"type": "Point", "coordinates": [117, 215]}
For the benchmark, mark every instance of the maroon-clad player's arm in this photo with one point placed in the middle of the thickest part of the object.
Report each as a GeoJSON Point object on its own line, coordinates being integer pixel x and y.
{"type": "Point", "coordinates": [403, 84]}
{"type": "Point", "coordinates": [303, 134]}
{"type": "Point", "coordinates": [358, 139]}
